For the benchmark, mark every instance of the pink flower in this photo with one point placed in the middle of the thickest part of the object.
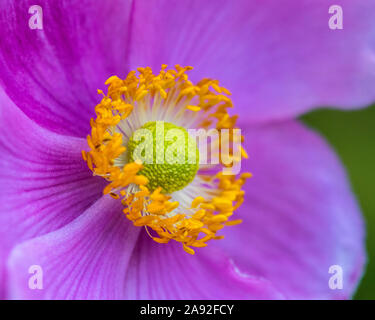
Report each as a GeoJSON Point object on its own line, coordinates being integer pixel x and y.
{"type": "Point", "coordinates": [278, 58]}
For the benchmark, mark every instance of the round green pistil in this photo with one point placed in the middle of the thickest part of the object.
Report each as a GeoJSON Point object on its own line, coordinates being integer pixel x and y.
{"type": "Point", "coordinates": [170, 159]}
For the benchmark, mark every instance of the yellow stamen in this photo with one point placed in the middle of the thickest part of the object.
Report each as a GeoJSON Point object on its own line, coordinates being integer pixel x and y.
{"type": "Point", "coordinates": [193, 108]}
{"type": "Point", "coordinates": [164, 218]}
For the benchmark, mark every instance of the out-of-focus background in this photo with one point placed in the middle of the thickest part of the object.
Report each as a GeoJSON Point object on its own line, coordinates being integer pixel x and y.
{"type": "Point", "coordinates": [352, 135]}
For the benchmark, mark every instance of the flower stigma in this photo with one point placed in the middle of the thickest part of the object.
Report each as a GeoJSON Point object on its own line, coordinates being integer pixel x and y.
{"type": "Point", "coordinates": [174, 172]}
{"type": "Point", "coordinates": [141, 144]}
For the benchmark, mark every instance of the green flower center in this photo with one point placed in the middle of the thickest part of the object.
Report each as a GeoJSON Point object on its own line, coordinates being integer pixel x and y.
{"type": "Point", "coordinates": [169, 155]}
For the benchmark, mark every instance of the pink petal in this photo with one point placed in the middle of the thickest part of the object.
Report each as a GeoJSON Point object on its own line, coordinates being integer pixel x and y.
{"type": "Point", "coordinates": [87, 259]}
{"type": "Point", "coordinates": [98, 256]}
{"type": "Point", "coordinates": [167, 272]}
{"type": "Point", "coordinates": [53, 74]}
{"type": "Point", "coordinates": [300, 216]}
{"type": "Point", "coordinates": [43, 179]}
{"type": "Point", "coordinates": [279, 58]}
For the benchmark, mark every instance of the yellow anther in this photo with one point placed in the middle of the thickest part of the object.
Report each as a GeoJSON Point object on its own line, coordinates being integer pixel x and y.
{"type": "Point", "coordinates": [199, 244]}
{"type": "Point", "coordinates": [160, 240]}
{"type": "Point", "coordinates": [246, 175]}
{"type": "Point", "coordinates": [193, 108]}
{"type": "Point", "coordinates": [170, 206]}
{"type": "Point", "coordinates": [188, 249]}
{"type": "Point", "coordinates": [141, 194]}
{"type": "Point", "coordinates": [219, 218]}
{"type": "Point", "coordinates": [226, 91]}
{"type": "Point", "coordinates": [233, 222]}
{"type": "Point", "coordinates": [140, 95]}
{"type": "Point", "coordinates": [222, 203]}
{"type": "Point", "coordinates": [111, 80]}
{"type": "Point", "coordinates": [199, 214]}
{"type": "Point", "coordinates": [216, 88]}
{"type": "Point", "coordinates": [197, 201]}
{"type": "Point", "coordinates": [193, 223]}
{"type": "Point", "coordinates": [140, 180]}
{"type": "Point", "coordinates": [207, 206]}
{"type": "Point", "coordinates": [156, 208]}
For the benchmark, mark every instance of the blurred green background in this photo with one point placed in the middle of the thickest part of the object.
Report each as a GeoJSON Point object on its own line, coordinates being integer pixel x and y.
{"type": "Point", "coordinates": [352, 135]}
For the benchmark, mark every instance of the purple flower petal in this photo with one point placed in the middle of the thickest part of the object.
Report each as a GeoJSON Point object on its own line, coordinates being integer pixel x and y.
{"type": "Point", "coordinates": [100, 256]}
{"type": "Point", "coordinates": [300, 216]}
{"type": "Point", "coordinates": [44, 181]}
{"type": "Point", "coordinates": [279, 58]}
{"type": "Point", "coordinates": [86, 259]}
{"type": "Point", "coordinates": [53, 74]}
{"type": "Point", "coordinates": [166, 272]}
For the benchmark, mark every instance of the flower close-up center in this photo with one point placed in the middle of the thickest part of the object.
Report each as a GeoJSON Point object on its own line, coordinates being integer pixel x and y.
{"type": "Point", "coordinates": [167, 148]}
{"type": "Point", "coordinates": [140, 142]}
